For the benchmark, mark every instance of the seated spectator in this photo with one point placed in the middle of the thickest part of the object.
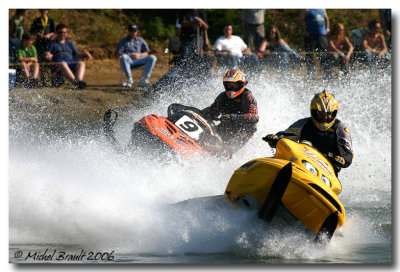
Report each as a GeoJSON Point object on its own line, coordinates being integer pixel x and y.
{"type": "Point", "coordinates": [231, 50]}
{"type": "Point", "coordinates": [341, 49]}
{"type": "Point", "coordinates": [282, 55]}
{"type": "Point", "coordinates": [27, 56]}
{"type": "Point", "coordinates": [64, 53]}
{"type": "Point", "coordinates": [44, 28]}
{"type": "Point", "coordinates": [373, 42]}
{"type": "Point", "coordinates": [133, 51]}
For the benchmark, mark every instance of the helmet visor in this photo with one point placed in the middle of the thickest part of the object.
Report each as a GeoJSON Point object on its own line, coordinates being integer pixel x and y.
{"type": "Point", "coordinates": [324, 117]}
{"type": "Point", "coordinates": [233, 86]}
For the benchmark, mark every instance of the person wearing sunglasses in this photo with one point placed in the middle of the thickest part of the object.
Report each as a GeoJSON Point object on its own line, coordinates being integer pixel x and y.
{"type": "Point", "coordinates": [236, 109]}
{"type": "Point", "coordinates": [325, 132]}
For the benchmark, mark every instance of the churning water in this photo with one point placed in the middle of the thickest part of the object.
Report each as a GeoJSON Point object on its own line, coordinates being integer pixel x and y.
{"type": "Point", "coordinates": [71, 193]}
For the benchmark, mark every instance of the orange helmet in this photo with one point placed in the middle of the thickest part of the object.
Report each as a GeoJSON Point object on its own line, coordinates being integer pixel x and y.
{"type": "Point", "coordinates": [234, 83]}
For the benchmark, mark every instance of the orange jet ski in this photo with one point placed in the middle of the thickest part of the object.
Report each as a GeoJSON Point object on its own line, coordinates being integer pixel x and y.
{"type": "Point", "coordinates": [183, 132]}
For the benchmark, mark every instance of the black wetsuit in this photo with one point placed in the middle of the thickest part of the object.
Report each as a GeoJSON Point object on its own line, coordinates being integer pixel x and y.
{"type": "Point", "coordinates": [236, 130]}
{"type": "Point", "coordinates": [336, 141]}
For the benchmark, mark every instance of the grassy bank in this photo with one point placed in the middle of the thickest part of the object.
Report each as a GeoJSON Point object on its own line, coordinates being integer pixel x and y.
{"type": "Point", "coordinates": [99, 30]}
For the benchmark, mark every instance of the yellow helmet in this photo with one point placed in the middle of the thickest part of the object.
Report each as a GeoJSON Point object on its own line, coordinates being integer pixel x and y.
{"type": "Point", "coordinates": [323, 108]}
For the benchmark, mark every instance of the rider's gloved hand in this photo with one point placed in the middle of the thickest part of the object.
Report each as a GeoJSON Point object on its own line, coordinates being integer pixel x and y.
{"type": "Point", "coordinates": [339, 161]}
{"type": "Point", "coordinates": [271, 139]}
{"type": "Point", "coordinates": [228, 117]}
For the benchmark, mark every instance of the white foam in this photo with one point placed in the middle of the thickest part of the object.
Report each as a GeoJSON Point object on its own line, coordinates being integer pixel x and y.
{"type": "Point", "coordinates": [75, 189]}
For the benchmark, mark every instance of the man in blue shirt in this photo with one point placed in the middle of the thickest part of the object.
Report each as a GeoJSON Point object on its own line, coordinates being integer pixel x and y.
{"type": "Point", "coordinates": [64, 52]}
{"type": "Point", "coordinates": [133, 51]}
{"type": "Point", "coordinates": [315, 23]}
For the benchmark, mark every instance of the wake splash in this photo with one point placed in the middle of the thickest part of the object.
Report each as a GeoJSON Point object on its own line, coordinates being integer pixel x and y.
{"type": "Point", "coordinates": [76, 190]}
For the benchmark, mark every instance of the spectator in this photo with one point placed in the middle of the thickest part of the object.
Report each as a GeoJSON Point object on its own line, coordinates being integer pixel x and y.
{"type": "Point", "coordinates": [16, 30]}
{"type": "Point", "coordinates": [253, 27]}
{"type": "Point", "coordinates": [230, 48]}
{"type": "Point", "coordinates": [133, 51]}
{"type": "Point", "coordinates": [373, 42]}
{"type": "Point", "coordinates": [64, 53]}
{"type": "Point", "coordinates": [44, 28]}
{"type": "Point", "coordinates": [17, 24]}
{"type": "Point", "coordinates": [315, 23]}
{"type": "Point", "coordinates": [174, 45]}
{"type": "Point", "coordinates": [27, 56]}
{"type": "Point", "coordinates": [194, 22]}
{"type": "Point", "coordinates": [341, 49]}
{"type": "Point", "coordinates": [284, 55]}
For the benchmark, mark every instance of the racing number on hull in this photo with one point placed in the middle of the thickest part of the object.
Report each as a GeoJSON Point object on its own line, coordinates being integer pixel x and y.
{"type": "Point", "coordinates": [189, 127]}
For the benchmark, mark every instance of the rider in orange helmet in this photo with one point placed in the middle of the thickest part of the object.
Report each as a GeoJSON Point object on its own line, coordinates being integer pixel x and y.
{"type": "Point", "coordinates": [236, 108]}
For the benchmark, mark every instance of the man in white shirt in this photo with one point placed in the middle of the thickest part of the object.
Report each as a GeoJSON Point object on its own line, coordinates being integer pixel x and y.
{"type": "Point", "coordinates": [231, 48]}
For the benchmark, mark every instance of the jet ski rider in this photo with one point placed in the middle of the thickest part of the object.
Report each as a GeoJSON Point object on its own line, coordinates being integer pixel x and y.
{"type": "Point", "coordinates": [237, 110]}
{"type": "Point", "coordinates": [326, 133]}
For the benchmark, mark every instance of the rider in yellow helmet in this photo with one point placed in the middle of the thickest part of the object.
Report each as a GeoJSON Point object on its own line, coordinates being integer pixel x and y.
{"type": "Point", "coordinates": [326, 133]}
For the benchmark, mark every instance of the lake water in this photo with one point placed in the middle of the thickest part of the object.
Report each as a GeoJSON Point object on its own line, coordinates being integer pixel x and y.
{"type": "Point", "coordinates": [72, 198]}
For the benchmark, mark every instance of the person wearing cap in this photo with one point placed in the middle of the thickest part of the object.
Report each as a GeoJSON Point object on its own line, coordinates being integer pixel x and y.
{"type": "Point", "coordinates": [133, 51]}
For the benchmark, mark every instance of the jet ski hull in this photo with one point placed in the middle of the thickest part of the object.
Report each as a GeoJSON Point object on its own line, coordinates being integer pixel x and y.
{"type": "Point", "coordinates": [305, 195]}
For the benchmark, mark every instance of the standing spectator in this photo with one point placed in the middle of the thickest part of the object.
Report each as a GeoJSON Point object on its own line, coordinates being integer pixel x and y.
{"type": "Point", "coordinates": [27, 56]}
{"type": "Point", "coordinates": [44, 28]}
{"type": "Point", "coordinates": [194, 22]}
{"type": "Point", "coordinates": [16, 30]}
{"type": "Point", "coordinates": [315, 23]}
{"type": "Point", "coordinates": [341, 49]}
{"type": "Point", "coordinates": [17, 24]}
{"type": "Point", "coordinates": [174, 44]}
{"type": "Point", "coordinates": [133, 51]}
{"type": "Point", "coordinates": [275, 44]}
{"type": "Point", "coordinates": [230, 49]}
{"type": "Point", "coordinates": [386, 22]}
{"type": "Point", "coordinates": [253, 27]}
{"type": "Point", "coordinates": [64, 53]}
{"type": "Point", "coordinates": [373, 42]}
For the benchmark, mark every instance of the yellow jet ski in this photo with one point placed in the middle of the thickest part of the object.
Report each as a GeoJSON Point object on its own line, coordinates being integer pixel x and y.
{"type": "Point", "coordinates": [299, 179]}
